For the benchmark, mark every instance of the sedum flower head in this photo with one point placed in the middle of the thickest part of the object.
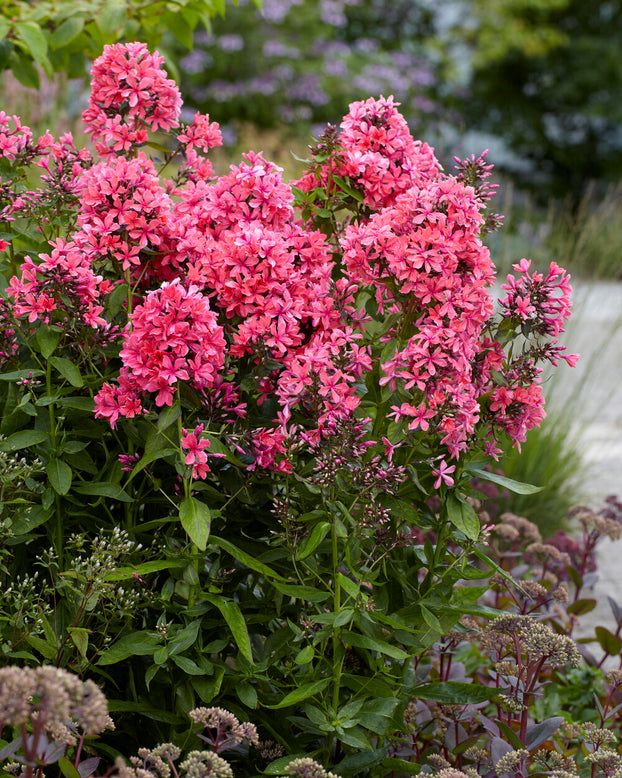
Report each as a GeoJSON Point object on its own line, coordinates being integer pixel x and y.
{"type": "Point", "coordinates": [205, 764]}
{"type": "Point", "coordinates": [26, 693]}
{"type": "Point", "coordinates": [305, 767]}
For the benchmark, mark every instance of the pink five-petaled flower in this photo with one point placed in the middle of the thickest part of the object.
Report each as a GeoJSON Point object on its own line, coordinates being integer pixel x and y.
{"type": "Point", "coordinates": [442, 472]}
{"type": "Point", "coordinates": [194, 447]}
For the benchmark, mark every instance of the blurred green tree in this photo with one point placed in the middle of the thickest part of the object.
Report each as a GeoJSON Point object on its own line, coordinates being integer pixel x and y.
{"type": "Point", "coordinates": [547, 77]}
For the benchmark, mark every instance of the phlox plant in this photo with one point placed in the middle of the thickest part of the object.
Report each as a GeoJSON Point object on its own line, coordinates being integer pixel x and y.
{"type": "Point", "coordinates": [243, 416]}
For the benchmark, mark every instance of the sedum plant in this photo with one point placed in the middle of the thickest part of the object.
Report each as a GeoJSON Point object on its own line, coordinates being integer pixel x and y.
{"type": "Point", "coordinates": [251, 413]}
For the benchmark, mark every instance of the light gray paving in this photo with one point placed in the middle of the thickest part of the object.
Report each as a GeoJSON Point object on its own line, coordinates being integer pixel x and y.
{"type": "Point", "coordinates": [592, 396]}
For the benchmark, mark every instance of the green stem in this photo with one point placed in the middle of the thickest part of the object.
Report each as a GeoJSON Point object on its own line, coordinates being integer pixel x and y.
{"type": "Point", "coordinates": [130, 292]}
{"type": "Point", "coordinates": [58, 530]}
{"type": "Point", "coordinates": [338, 648]}
{"type": "Point", "coordinates": [193, 588]}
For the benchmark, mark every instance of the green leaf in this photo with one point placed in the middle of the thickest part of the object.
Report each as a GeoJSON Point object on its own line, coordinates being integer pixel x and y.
{"type": "Point", "coordinates": [47, 339]}
{"type": "Point", "coordinates": [236, 623]}
{"type": "Point", "coordinates": [430, 619]}
{"type": "Point", "coordinates": [244, 558]}
{"type": "Point", "coordinates": [60, 475]}
{"type": "Point", "coordinates": [304, 656]}
{"type": "Point", "coordinates": [179, 28]}
{"type": "Point", "coordinates": [67, 769]}
{"type": "Point", "coordinates": [509, 733]}
{"type": "Point", "coordinates": [18, 375]}
{"type": "Point", "coordinates": [125, 573]}
{"type": "Point", "coordinates": [372, 644]}
{"type": "Point", "coordinates": [335, 619]}
{"type": "Point", "coordinates": [462, 516]}
{"type": "Point", "coordinates": [609, 642]}
{"type": "Point", "coordinates": [23, 439]}
{"type": "Point", "coordinates": [581, 607]}
{"type": "Point", "coordinates": [68, 371]}
{"type": "Point", "coordinates": [518, 487]}
{"type": "Point", "coordinates": [302, 693]}
{"type": "Point", "coordinates": [402, 766]}
{"type": "Point", "coordinates": [185, 638]}
{"type": "Point", "coordinates": [112, 16]}
{"type": "Point", "coordinates": [455, 692]}
{"type": "Point", "coordinates": [357, 739]}
{"type": "Point", "coordinates": [247, 694]}
{"type": "Point", "coordinates": [66, 32]}
{"type": "Point", "coordinates": [357, 764]}
{"type": "Point", "coordinates": [74, 446]}
{"type": "Point", "coordinates": [196, 520]}
{"type": "Point", "coordinates": [104, 489]}
{"type": "Point", "coordinates": [31, 34]}
{"type": "Point", "coordinates": [187, 665]}
{"type": "Point", "coordinates": [305, 593]}
{"type": "Point", "coordinates": [78, 403]}
{"type": "Point", "coordinates": [23, 69]}
{"type": "Point", "coordinates": [46, 649]}
{"type": "Point", "coordinates": [141, 643]}
{"type": "Point", "coordinates": [80, 638]}
{"type": "Point", "coordinates": [168, 416]}
{"type": "Point", "coordinates": [320, 531]}
{"type": "Point", "coordinates": [278, 766]}
{"type": "Point", "coordinates": [208, 688]}
{"type": "Point", "coordinates": [5, 26]}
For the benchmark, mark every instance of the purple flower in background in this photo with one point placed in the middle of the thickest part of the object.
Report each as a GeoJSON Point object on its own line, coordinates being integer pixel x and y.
{"type": "Point", "coordinates": [333, 11]}
{"type": "Point", "coordinates": [366, 45]}
{"type": "Point", "coordinates": [308, 89]}
{"type": "Point", "coordinates": [274, 47]}
{"type": "Point", "coordinates": [195, 62]}
{"type": "Point", "coordinates": [262, 85]}
{"type": "Point", "coordinates": [336, 67]}
{"type": "Point", "coordinates": [230, 43]}
{"type": "Point", "coordinates": [275, 11]}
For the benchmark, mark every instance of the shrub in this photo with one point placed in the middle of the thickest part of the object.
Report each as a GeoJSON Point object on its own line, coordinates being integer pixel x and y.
{"type": "Point", "coordinates": [248, 415]}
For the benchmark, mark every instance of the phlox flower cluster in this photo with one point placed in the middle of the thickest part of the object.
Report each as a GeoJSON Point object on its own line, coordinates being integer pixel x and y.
{"type": "Point", "coordinates": [542, 302]}
{"type": "Point", "coordinates": [377, 154]}
{"type": "Point", "coordinates": [271, 280]}
{"type": "Point", "coordinates": [124, 213]}
{"type": "Point", "coordinates": [61, 163]}
{"type": "Point", "coordinates": [130, 92]}
{"type": "Point", "coordinates": [274, 326]}
{"type": "Point", "coordinates": [174, 336]}
{"type": "Point", "coordinates": [15, 138]}
{"type": "Point", "coordinates": [8, 339]}
{"type": "Point", "coordinates": [426, 261]}
{"type": "Point", "coordinates": [62, 288]}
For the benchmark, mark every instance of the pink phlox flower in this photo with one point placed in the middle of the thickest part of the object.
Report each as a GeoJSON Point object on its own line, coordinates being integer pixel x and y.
{"type": "Point", "coordinates": [443, 474]}
{"type": "Point", "coordinates": [194, 447]}
{"type": "Point", "coordinates": [201, 133]}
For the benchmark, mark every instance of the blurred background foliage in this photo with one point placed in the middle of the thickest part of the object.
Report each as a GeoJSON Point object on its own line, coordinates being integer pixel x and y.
{"type": "Point", "coordinates": [539, 81]}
